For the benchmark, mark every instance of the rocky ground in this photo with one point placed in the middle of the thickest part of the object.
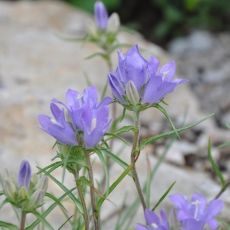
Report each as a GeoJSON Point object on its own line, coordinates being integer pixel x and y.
{"type": "Point", "coordinates": [36, 65]}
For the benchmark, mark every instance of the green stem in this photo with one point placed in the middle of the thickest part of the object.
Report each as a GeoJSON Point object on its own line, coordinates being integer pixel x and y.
{"type": "Point", "coordinates": [222, 190]}
{"type": "Point", "coordinates": [82, 199]}
{"type": "Point", "coordinates": [23, 221]}
{"type": "Point", "coordinates": [96, 213]}
{"type": "Point", "coordinates": [134, 156]}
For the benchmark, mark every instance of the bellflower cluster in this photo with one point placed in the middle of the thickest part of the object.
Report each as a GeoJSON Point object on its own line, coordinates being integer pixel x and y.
{"type": "Point", "coordinates": [28, 191]}
{"type": "Point", "coordinates": [80, 119]}
{"type": "Point", "coordinates": [197, 212]}
{"type": "Point", "coordinates": [140, 81]}
{"type": "Point", "coordinates": [103, 22]}
{"type": "Point", "coordinates": [153, 222]}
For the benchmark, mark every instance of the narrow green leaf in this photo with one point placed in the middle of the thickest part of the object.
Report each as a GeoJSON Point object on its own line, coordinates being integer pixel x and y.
{"type": "Point", "coordinates": [66, 221]}
{"type": "Point", "coordinates": [8, 225]}
{"type": "Point", "coordinates": [106, 170]}
{"type": "Point", "coordinates": [164, 111]}
{"type": "Point", "coordinates": [113, 186]}
{"type": "Point", "coordinates": [115, 158]}
{"type": "Point", "coordinates": [163, 196]}
{"type": "Point", "coordinates": [51, 167]}
{"type": "Point", "coordinates": [61, 185]}
{"type": "Point", "coordinates": [153, 139]}
{"type": "Point", "coordinates": [215, 167]}
{"type": "Point", "coordinates": [95, 55]}
{"type": "Point", "coordinates": [43, 220]}
{"type": "Point", "coordinates": [49, 209]}
{"type": "Point", "coordinates": [52, 197]}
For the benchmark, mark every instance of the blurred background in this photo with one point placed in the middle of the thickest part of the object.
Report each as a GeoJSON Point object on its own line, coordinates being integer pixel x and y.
{"type": "Point", "coordinates": [37, 64]}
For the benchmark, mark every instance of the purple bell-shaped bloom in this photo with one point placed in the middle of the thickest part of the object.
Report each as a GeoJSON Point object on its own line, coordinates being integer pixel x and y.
{"type": "Point", "coordinates": [197, 212]}
{"type": "Point", "coordinates": [24, 175]}
{"type": "Point", "coordinates": [153, 222]}
{"type": "Point", "coordinates": [148, 80]}
{"type": "Point", "coordinates": [101, 15]}
{"type": "Point", "coordinates": [85, 115]}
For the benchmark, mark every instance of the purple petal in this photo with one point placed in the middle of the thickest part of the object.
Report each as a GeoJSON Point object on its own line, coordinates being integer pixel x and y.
{"type": "Point", "coordinates": [151, 217]}
{"type": "Point", "coordinates": [168, 70]}
{"type": "Point", "coordinates": [101, 15]}
{"type": "Point", "coordinates": [116, 87]}
{"type": "Point", "coordinates": [62, 132]}
{"type": "Point", "coordinates": [24, 175]}
{"type": "Point", "coordinates": [214, 208]}
{"type": "Point", "coordinates": [140, 227]}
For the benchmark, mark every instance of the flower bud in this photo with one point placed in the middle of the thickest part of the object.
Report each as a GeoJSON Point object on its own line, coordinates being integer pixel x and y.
{"type": "Point", "coordinates": [37, 199]}
{"type": "Point", "coordinates": [24, 175]}
{"type": "Point", "coordinates": [113, 23]}
{"type": "Point", "coordinates": [42, 183]}
{"type": "Point", "coordinates": [132, 93]}
{"type": "Point", "coordinates": [101, 15]}
{"type": "Point", "coordinates": [9, 189]}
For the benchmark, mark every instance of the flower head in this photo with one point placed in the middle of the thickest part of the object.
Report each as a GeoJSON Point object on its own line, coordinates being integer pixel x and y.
{"type": "Point", "coordinates": [149, 82]}
{"type": "Point", "coordinates": [24, 175]}
{"type": "Point", "coordinates": [82, 118]}
{"type": "Point", "coordinates": [153, 222]}
{"type": "Point", "coordinates": [101, 15]}
{"type": "Point", "coordinates": [197, 212]}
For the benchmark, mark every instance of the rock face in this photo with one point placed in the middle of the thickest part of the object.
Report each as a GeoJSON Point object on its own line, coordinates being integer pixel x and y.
{"type": "Point", "coordinates": [36, 66]}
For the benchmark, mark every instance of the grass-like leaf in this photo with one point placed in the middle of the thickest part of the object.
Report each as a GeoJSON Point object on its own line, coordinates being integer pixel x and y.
{"type": "Point", "coordinates": [165, 113]}
{"type": "Point", "coordinates": [7, 225]}
{"type": "Point", "coordinates": [113, 186]}
{"type": "Point", "coordinates": [49, 209]}
{"type": "Point", "coordinates": [214, 165]}
{"type": "Point", "coordinates": [163, 196]}
{"type": "Point", "coordinates": [115, 158]}
{"type": "Point", "coordinates": [63, 209]}
{"type": "Point", "coordinates": [153, 139]}
{"type": "Point", "coordinates": [43, 220]}
{"type": "Point", "coordinates": [62, 186]}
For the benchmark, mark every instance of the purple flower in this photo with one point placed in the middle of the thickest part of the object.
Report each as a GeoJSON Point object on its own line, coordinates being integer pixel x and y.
{"type": "Point", "coordinates": [101, 15]}
{"type": "Point", "coordinates": [197, 212]}
{"type": "Point", "coordinates": [153, 222]}
{"type": "Point", "coordinates": [24, 175]}
{"type": "Point", "coordinates": [88, 119]}
{"type": "Point", "coordinates": [147, 80]}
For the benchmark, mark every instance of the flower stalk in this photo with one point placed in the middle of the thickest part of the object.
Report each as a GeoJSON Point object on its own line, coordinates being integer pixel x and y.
{"type": "Point", "coordinates": [96, 214]}
{"type": "Point", "coordinates": [134, 156]}
{"type": "Point", "coordinates": [23, 221]}
{"type": "Point", "coordinates": [82, 199]}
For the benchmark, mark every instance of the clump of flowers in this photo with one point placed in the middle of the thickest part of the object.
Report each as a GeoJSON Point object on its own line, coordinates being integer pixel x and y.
{"type": "Point", "coordinates": [28, 191]}
{"type": "Point", "coordinates": [80, 121]}
{"type": "Point", "coordinates": [196, 213]}
{"type": "Point", "coordinates": [137, 81]}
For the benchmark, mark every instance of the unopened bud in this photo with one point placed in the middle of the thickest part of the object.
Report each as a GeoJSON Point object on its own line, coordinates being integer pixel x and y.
{"type": "Point", "coordinates": [113, 23]}
{"type": "Point", "coordinates": [9, 189]}
{"type": "Point", "coordinates": [24, 175]}
{"type": "Point", "coordinates": [37, 199]}
{"type": "Point", "coordinates": [132, 93]}
{"type": "Point", "coordinates": [101, 15]}
{"type": "Point", "coordinates": [42, 183]}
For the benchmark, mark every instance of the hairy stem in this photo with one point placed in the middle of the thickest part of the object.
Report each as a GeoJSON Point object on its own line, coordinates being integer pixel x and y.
{"type": "Point", "coordinates": [134, 156]}
{"type": "Point", "coordinates": [82, 199]}
{"type": "Point", "coordinates": [23, 221]}
{"type": "Point", "coordinates": [96, 214]}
